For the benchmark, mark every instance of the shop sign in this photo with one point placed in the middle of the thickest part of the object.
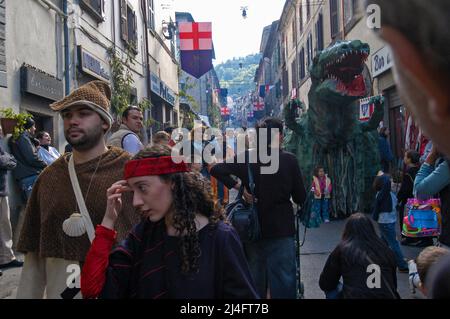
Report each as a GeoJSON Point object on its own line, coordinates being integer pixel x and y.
{"type": "Point", "coordinates": [39, 83]}
{"type": "Point", "coordinates": [92, 65]}
{"type": "Point", "coordinates": [382, 61]}
{"type": "Point", "coordinates": [162, 90]}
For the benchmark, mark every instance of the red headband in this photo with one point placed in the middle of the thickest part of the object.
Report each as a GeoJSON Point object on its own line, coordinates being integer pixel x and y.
{"type": "Point", "coordinates": [153, 166]}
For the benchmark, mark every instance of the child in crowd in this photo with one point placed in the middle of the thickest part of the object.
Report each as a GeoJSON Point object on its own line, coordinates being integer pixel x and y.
{"type": "Point", "coordinates": [385, 214]}
{"type": "Point", "coordinates": [321, 187]}
{"type": "Point", "coordinates": [418, 270]}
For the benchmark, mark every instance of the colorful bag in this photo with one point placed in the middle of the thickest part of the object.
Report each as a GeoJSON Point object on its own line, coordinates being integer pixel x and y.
{"type": "Point", "coordinates": [422, 218]}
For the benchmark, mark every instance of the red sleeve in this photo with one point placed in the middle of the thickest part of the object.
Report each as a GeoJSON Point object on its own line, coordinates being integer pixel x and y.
{"type": "Point", "coordinates": [93, 274]}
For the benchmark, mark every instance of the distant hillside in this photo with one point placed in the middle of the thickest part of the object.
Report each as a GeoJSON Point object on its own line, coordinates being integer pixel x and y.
{"type": "Point", "coordinates": [239, 81]}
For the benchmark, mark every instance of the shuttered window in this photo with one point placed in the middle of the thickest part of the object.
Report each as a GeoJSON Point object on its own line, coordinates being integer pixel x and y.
{"type": "Point", "coordinates": [302, 64]}
{"type": "Point", "coordinates": [151, 14]}
{"type": "Point", "coordinates": [334, 16]}
{"type": "Point", "coordinates": [319, 33]}
{"type": "Point", "coordinates": [95, 8]}
{"type": "Point", "coordinates": [128, 26]}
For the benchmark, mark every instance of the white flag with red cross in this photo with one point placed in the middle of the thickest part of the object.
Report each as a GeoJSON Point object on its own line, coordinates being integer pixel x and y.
{"type": "Point", "coordinates": [258, 105]}
{"type": "Point", "coordinates": [195, 36]}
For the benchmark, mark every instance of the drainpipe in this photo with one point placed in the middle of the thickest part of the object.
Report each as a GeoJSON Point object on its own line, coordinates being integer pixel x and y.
{"type": "Point", "coordinates": [147, 60]}
{"type": "Point", "coordinates": [66, 50]}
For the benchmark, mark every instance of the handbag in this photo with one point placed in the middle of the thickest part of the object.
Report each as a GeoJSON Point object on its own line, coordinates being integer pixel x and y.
{"type": "Point", "coordinates": [422, 218]}
{"type": "Point", "coordinates": [243, 216]}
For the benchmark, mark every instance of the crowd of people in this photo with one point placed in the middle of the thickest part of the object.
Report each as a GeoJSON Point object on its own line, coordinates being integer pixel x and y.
{"type": "Point", "coordinates": [140, 225]}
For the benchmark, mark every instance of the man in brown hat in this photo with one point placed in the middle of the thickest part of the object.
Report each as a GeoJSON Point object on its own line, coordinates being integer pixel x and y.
{"type": "Point", "coordinates": [58, 224]}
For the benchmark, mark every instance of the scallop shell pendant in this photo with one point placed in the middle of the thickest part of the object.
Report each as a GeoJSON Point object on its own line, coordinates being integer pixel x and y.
{"type": "Point", "coordinates": [74, 226]}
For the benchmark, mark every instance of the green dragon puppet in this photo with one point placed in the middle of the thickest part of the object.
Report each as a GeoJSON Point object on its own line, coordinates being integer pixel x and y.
{"type": "Point", "coordinates": [330, 134]}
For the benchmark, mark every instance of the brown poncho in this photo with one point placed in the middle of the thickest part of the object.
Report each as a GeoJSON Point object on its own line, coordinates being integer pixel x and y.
{"type": "Point", "coordinates": [53, 201]}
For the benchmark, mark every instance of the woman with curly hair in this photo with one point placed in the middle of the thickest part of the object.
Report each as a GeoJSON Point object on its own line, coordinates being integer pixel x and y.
{"type": "Point", "coordinates": [181, 249]}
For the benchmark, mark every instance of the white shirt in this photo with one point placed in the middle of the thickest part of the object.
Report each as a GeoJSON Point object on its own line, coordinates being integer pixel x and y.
{"type": "Point", "coordinates": [132, 144]}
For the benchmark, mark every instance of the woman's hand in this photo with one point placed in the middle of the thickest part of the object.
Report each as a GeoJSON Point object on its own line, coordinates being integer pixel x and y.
{"type": "Point", "coordinates": [114, 203]}
{"type": "Point", "coordinates": [433, 156]}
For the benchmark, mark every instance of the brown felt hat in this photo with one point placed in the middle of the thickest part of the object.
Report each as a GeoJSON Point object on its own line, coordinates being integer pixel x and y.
{"type": "Point", "coordinates": [96, 95]}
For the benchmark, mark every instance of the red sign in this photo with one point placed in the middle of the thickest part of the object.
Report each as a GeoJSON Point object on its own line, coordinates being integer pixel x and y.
{"type": "Point", "coordinates": [195, 36]}
{"type": "Point", "coordinates": [224, 111]}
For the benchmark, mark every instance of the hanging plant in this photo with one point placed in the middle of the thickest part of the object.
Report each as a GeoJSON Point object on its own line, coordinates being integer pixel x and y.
{"type": "Point", "coordinates": [13, 123]}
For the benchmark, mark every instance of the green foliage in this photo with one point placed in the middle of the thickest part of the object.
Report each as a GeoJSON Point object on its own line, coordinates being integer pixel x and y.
{"type": "Point", "coordinates": [183, 94]}
{"type": "Point", "coordinates": [239, 81]}
{"type": "Point", "coordinates": [122, 80]}
{"type": "Point", "coordinates": [21, 119]}
{"type": "Point", "coordinates": [214, 115]}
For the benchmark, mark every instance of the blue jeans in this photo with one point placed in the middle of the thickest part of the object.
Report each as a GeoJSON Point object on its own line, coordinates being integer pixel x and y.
{"type": "Point", "coordinates": [272, 264]}
{"type": "Point", "coordinates": [26, 185]}
{"type": "Point", "coordinates": [389, 236]}
{"type": "Point", "coordinates": [321, 208]}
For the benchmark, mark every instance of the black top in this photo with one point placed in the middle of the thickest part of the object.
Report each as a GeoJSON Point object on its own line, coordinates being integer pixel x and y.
{"type": "Point", "coordinates": [406, 190]}
{"type": "Point", "coordinates": [355, 276]}
{"type": "Point", "coordinates": [147, 265]}
{"type": "Point", "coordinates": [273, 191]}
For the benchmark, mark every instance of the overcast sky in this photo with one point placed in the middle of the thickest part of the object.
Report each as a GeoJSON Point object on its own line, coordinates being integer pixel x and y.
{"type": "Point", "coordinates": [233, 36]}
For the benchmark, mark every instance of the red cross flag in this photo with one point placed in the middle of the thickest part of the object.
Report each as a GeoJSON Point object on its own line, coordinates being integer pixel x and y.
{"type": "Point", "coordinates": [195, 36]}
{"type": "Point", "coordinates": [224, 111]}
{"type": "Point", "coordinates": [258, 105]}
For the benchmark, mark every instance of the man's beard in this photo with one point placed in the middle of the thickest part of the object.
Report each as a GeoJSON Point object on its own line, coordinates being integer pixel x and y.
{"type": "Point", "coordinates": [88, 140]}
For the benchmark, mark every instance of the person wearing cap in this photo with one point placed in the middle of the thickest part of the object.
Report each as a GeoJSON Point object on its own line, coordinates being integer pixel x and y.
{"type": "Point", "coordinates": [29, 164]}
{"type": "Point", "coordinates": [182, 249]}
{"type": "Point", "coordinates": [127, 137]}
{"type": "Point", "coordinates": [67, 200]}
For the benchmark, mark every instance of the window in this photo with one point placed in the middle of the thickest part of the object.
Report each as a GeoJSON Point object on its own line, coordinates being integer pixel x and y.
{"type": "Point", "coordinates": [300, 18]}
{"type": "Point", "coordinates": [319, 33]}
{"type": "Point", "coordinates": [285, 83]}
{"type": "Point", "coordinates": [302, 64]}
{"type": "Point", "coordinates": [351, 12]}
{"type": "Point", "coordinates": [309, 48]}
{"type": "Point", "coordinates": [308, 10]}
{"type": "Point", "coordinates": [293, 34]}
{"type": "Point", "coordinates": [128, 26]}
{"type": "Point", "coordinates": [334, 18]}
{"type": "Point", "coordinates": [294, 71]}
{"type": "Point", "coordinates": [151, 15]}
{"type": "Point", "coordinates": [96, 8]}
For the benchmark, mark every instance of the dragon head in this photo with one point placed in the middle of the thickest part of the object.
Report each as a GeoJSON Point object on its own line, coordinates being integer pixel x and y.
{"type": "Point", "coordinates": [337, 71]}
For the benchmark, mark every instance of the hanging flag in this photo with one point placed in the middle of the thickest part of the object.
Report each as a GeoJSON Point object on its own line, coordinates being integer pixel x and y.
{"type": "Point", "coordinates": [258, 105]}
{"type": "Point", "coordinates": [196, 48]}
{"type": "Point", "coordinates": [224, 111]}
{"type": "Point", "coordinates": [250, 114]}
{"type": "Point", "coordinates": [224, 92]}
{"type": "Point", "coordinates": [195, 36]}
{"type": "Point", "coordinates": [262, 91]}
{"type": "Point", "coordinates": [196, 63]}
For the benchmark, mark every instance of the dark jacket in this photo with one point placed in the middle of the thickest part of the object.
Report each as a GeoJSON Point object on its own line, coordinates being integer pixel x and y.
{"type": "Point", "coordinates": [7, 162]}
{"type": "Point", "coordinates": [355, 276]}
{"type": "Point", "coordinates": [385, 149]}
{"type": "Point", "coordinates": [406, 190]}
{"type": "Point", "coordinates": [273, 191]}
{"type": "Point", "coordinates": [28, 161]}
